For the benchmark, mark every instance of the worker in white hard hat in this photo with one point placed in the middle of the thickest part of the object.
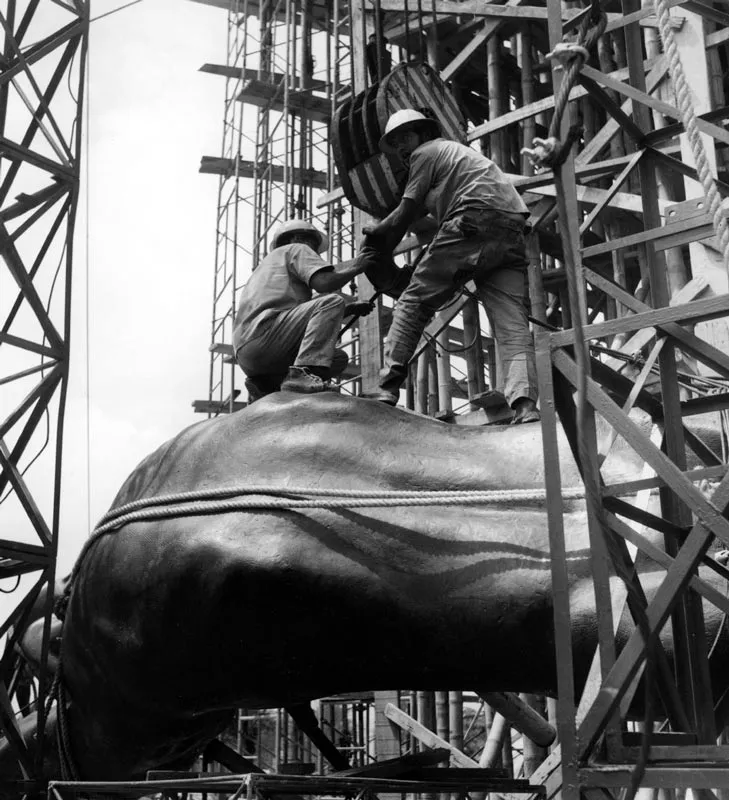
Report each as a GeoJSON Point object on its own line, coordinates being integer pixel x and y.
{"type": "Point", "coordinates": [285, 337]}
{"type": "Point", "coordinates": [481, 220]}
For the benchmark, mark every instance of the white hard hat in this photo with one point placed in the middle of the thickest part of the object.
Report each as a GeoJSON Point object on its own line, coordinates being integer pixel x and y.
{"type": "Point", "coordinates": [300, 226]}
{"type": "Point", "coordinates": [402, 120]}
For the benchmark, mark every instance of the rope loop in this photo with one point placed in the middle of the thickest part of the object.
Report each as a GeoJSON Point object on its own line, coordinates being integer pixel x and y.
{"type": "Point", "coordinates": [592, 28]}
{"type": "Point", "coordinates": [565, 52]}
{"type": "Point", "coordinates": [551, 153]}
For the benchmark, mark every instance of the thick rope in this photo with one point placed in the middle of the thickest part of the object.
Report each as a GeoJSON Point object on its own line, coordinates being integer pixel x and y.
{"type": "Point", "coordinates": [222, 501]}
{"type": "Point", "coordinates": [550, 152]}
{"type": "Point", "coordinates": [300, 498]}
{"type": "Point", "coordinates": [688, 117]}
{"type": "Point", "coordinates": [180, 508]}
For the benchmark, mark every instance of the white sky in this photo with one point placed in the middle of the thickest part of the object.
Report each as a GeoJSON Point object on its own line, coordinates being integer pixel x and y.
{"type": "Point", "coordinates": [153, 115]}
{"type": "Point", "coordinates": [151, 235]}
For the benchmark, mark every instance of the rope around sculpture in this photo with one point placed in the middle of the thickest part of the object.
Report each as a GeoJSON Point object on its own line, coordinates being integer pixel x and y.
{"type": "Point", "coordinates": [235, 499]}
{"type": "Point", "coordinates": [218, 501]}
{"type": "Point", "coordinates": [223, 500]}
{"type": "Point", "coordinates": [688, 117]}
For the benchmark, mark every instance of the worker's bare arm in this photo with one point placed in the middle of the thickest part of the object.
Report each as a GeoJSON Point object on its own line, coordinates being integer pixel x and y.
{"type": "Point", "coordinates": [395, 224]}
{"type": "Point", "coordinates": [332, 278]}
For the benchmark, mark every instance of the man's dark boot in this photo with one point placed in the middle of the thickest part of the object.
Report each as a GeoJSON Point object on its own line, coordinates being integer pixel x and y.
{"type": "Point", "coordinates": [408, 322]}
{"type": "Point", "coordinates": [382, 395]}
{"type": "Point", "coordinates": [259, 386]}
{"type": "Point", "coordinates": [304, 381]}
{"type": "Point", "coordinates": [525, 410]}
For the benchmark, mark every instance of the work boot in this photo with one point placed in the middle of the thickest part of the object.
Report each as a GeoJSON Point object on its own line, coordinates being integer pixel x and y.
{"type": "Point", "coordinates": [383, 396]}
{"type": "Point", "coordinates": [259, 386]}
{"type": "Point", "coordinates": [525, 410]}
{"type": "Point", "coordinates": [304, 381]}
{"type": "Point", "coordinates": [254, 391]}
{"type": "Point", "coordinates": [408, 322]}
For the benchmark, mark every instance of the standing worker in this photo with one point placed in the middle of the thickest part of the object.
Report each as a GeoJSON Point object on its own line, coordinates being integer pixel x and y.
{"type": "Point", "coordinates": [283, 336]}
{"type": "Point", "coordinates": [480, 237]}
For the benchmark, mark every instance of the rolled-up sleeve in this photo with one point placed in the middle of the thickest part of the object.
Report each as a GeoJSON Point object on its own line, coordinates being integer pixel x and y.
{"type": "Point", "coordinates": [304, 263]}
{"type": "Point", "coordinates": [420, 177]}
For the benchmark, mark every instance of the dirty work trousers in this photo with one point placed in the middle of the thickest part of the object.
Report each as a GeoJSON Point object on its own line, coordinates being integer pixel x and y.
{"type": "Point", "coordinates": [487, 247]}
{"type": "Point", "coordinates": [303, 336]}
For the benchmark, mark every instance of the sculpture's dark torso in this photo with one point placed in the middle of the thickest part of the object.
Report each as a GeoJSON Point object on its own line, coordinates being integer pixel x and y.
{"type": "Point", "coordinates": [174, 623]}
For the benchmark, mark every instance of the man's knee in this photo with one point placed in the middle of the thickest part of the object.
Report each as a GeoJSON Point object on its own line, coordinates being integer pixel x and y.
{"type": "Point", "coordinates": [331, 302]}
{"type": "Point", "coordinates": [415, 310]}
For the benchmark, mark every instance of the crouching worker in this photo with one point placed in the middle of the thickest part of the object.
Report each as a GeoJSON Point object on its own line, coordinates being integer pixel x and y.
{"type": "Point", "coordinates": [283, 336]}
{"type": "Point", "coordinates": [480, 237]}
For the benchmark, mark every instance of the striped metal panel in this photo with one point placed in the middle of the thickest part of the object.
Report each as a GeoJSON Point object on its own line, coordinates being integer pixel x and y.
{"type": "Point", "coordinates": [418, 86]}
{"type": "Point", "coordinates": [371, 180]}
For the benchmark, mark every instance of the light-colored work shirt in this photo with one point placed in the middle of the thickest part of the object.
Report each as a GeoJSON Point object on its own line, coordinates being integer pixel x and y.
{"type": "Point", "coordinates": [448, 178]}
{"type": "Point", "coordinates": [281, 281]}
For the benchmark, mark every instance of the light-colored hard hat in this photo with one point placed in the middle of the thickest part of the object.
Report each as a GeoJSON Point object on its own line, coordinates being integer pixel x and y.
{"type": "Point", "coordinates": [300, 226]}
{"type": "Point", "coordinates": [403, 120]}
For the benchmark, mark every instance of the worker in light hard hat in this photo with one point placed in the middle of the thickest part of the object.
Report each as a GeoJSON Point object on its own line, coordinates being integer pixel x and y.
{"type": "Point", "coordinates": [480, 237]}
{"type": "Point", "coordinates": [284, 337]}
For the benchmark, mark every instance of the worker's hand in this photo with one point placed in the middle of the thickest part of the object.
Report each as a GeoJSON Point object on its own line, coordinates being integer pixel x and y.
{"type": "Point", "coordinates": [378, 244]}
{"type": "Point", "coordinates": [358, 309]}
{"type": "Point", "coordinates": [377, 237]}
{"type": "Point", "coordinates": [376, 230]}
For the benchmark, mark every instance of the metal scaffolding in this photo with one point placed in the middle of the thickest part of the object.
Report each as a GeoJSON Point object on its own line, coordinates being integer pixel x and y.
{"type": "Point", "coordinates": [628, 234]}
{"type": "Point", "coordinates": [288, 65]}
{"type": "Point", "coordinates": [41, 99]}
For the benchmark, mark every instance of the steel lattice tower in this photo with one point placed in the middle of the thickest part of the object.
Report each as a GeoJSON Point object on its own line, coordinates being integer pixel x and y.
{"type": "Point", "coordinates": [41, 99]}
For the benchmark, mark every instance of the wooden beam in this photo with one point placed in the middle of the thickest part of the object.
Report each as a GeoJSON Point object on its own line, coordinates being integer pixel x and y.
{"type": "Point", "coordinates": [611, 192]}
{"type": "Point", "coordinates": [480, 38]}
{"type": "Point", "coordinates": [477, 8]}
{"type": "Point", "coordinates": [216, 406]}
{"type": "Point", "coordinates": [426, 736]}
{"type": "Point", "coordinates": [611, 127]}
{"type": "Point", "coordinates": [215, 165]}
{"type": "Point", "coordinates": [663, 236]}
{"type": "Point", "coordinates": [592, 196]}
{"type": "Point", "coordinates": [641, 338]}
{"type": "Point", "coordinates": [708, 513]}
{"type": "Point", "coordinates": [538, 107]}
{"type": "Point", "coordinates": [602, 98]}
{"type": "Point", "coordinates": [248, 74]}
{"type": "Point", "coordinates": [653, 102]}
{"type": "Point", "coordinates": [687, 313]}
{"type": "Point", "coordinates": [700, 349]}
{"type": "Point", "coordinates": [264, 94]}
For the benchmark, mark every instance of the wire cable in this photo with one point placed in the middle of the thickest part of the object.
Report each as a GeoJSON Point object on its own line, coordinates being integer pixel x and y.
{"type": "Point", "coordinates": [87, 274]}
{"type": "Point", "coordinates": [114, 10]}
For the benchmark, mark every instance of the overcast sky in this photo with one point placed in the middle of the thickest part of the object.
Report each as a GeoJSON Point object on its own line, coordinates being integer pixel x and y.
{"type": "Point", "coordinates": [151, 228]}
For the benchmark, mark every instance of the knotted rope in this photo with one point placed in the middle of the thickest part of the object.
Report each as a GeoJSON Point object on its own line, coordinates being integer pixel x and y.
{"type": "Point", "coordinates": [688, 117]}
{"type": "Point", "coordinates": [550, 152]}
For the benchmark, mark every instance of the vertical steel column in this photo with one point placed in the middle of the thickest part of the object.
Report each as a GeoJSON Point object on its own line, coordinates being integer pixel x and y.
{"type": "Point", "coordinates": [370, 327]}
{"type": "Point", "coordinates": [224, 374]}
{"type": "Point", "coordinates": [38, 205]}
